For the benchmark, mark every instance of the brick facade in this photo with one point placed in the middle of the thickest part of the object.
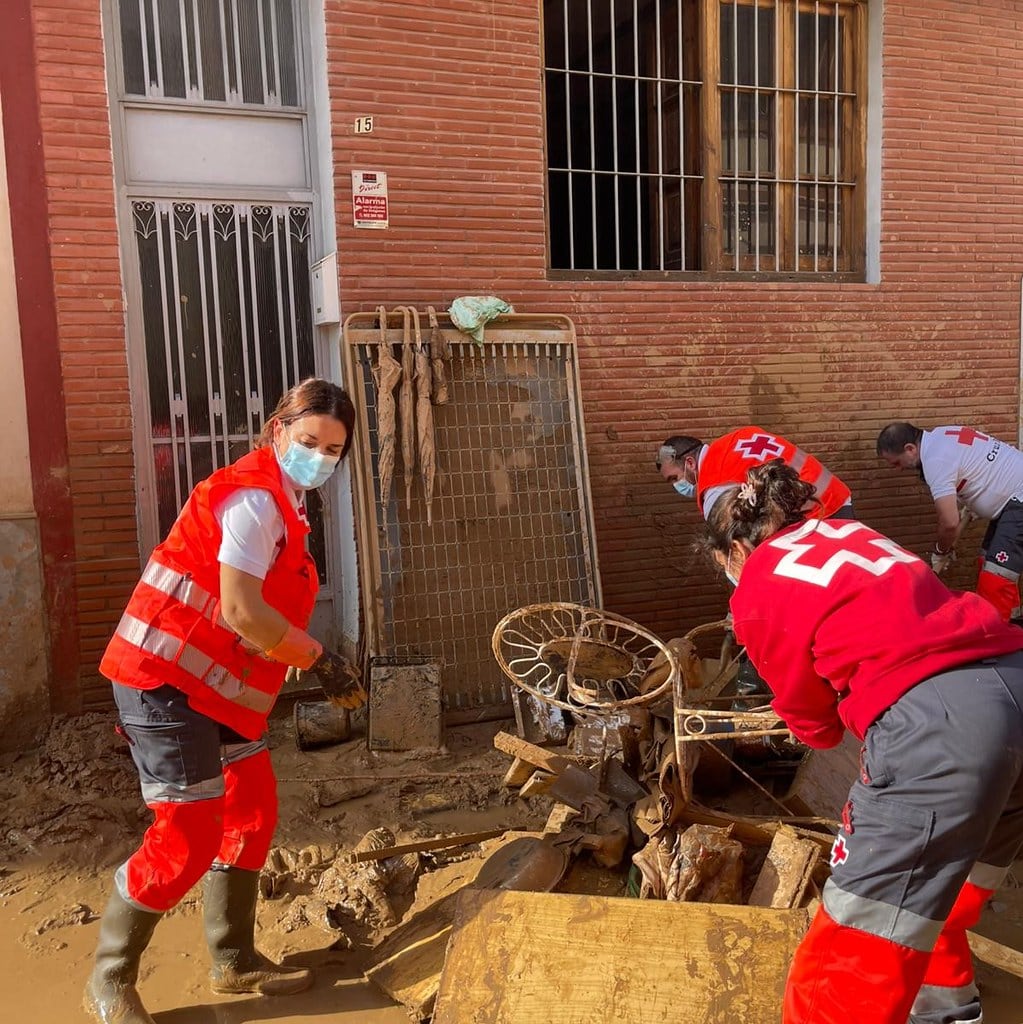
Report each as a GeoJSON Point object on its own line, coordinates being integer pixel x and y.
{"type": "Point", "coordinates": [455, 89]}
{"type": "Point", "coordinates": [75, 118]}
{"type": "Point", "coordinates": [456, 96]}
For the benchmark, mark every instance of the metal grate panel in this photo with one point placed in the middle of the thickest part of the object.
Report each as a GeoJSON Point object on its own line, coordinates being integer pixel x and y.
{"type": "Point", "coordinates": [511, 517]}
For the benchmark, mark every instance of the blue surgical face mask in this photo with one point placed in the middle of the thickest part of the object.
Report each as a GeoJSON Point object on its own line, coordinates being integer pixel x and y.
{"type": "Point", "coordinates": [306, 467]}
{"type": "Point", "coordinates": [684, 487]}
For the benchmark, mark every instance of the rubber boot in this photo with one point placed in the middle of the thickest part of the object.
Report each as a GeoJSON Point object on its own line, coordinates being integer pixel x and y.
{"type": "Point", "coordinates": [229, 917]}
{"type": "Point", "coordinates": [124, 933]}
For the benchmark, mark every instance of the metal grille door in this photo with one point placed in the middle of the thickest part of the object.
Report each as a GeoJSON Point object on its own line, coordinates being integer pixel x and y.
{"type": "Point", "coordinates": [210, 51]}
{"type": "Point", "coordinates": [227, 328]}
{"type": "Point", "coordinates": [511, 522]}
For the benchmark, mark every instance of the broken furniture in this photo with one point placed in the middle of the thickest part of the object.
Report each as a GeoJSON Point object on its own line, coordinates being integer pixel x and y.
{"type": "Point", "coordinates": [583, 660]}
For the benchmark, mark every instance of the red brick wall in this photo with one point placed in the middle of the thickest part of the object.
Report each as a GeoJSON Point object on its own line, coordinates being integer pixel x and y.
{"type": "Point", "coordinates": [87, 279]}
{"type": "Point", "coordinates": [455, 92]}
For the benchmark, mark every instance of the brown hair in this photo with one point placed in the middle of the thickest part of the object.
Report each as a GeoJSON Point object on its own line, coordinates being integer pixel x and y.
{"type": "Point", "coordinates": [772, 498]}
{"type": "Point", "coordinates": [313, 396]}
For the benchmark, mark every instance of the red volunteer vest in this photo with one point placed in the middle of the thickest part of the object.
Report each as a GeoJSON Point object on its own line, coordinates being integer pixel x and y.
{"type": "Point", "coordinates": [729, 458]}
{"type": "Point", "coordinates": [172, 630]}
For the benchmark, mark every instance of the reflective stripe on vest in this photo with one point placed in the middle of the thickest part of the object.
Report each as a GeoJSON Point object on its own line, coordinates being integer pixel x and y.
{"type": "Point", "coordinates": [182, 588]}
{"type": "Point", "coordinates": [191, 660]}
{"type": "Point", "coordinates": [821, 483]}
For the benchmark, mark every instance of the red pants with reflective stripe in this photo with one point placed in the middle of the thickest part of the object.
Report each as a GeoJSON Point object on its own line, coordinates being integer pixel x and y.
{"type": "Point", "coordinates": [842, 975]}
{"type": "Point", "coordinates": [186, 838]}
{"type": "Point", "coordinates": [250, 812]}
{"type": "Point", "coordinates": [951, 964]}
{"type": "Point", "coordinates": [999, 591]}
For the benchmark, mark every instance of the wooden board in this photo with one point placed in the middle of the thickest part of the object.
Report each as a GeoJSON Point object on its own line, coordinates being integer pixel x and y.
{"type": "Point", "coordinates": [407, 964]}
{"type": "Point", "coordinates": [539, 958]}
{"type": "Point", "coordinates": [786, 874]}
{"type": "Point", "coordinates": [822, 781]}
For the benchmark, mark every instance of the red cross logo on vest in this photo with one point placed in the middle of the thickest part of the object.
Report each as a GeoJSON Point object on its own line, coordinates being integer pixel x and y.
{"type": "Point", "coordinates": [967, 435]}
{"type": "Point", "coordinates": [839, 852]}
{"type": "Point", "coordinates": [759, 448]}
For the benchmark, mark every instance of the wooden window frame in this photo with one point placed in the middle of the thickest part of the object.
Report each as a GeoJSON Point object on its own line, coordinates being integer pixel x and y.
{"type": "Point", "coordinates": [716, 257]}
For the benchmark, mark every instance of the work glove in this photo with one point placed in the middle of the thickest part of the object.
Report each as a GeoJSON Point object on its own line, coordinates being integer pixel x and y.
{"type": "Point", "coordinates": [340, 679]}
{"type": "Point", "coordinates": [940, 561]}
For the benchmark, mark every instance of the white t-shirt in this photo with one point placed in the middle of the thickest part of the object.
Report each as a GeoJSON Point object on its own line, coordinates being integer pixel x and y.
{"type": "Point", "coordinates": [253, 528]}
{"type": "Point", "coordinates": [981, 471]}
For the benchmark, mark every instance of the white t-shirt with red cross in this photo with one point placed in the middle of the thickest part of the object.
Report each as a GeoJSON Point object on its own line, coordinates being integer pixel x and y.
{"type": "Point", "coordinates": [980, 470]}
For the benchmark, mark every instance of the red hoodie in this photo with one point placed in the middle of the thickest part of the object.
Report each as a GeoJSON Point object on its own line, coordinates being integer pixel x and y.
{"type": "Point", "coordinates": [840, 621]}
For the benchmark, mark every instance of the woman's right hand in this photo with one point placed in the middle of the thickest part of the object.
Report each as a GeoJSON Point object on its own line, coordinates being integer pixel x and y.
{"type": "Point", "coordinates": [340, 679]}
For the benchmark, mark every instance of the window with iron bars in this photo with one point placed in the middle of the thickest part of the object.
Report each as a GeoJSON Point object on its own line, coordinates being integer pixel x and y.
{"type": "Point", "coordinates": [706, 135]}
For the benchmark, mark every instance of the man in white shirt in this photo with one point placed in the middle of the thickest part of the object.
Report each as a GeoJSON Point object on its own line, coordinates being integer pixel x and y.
{"type": "Point", "coordinates": [970, 470]}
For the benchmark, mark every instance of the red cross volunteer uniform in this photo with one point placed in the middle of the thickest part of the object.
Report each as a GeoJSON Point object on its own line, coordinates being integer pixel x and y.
{"type": "Point", "coordinates": [173, 642]}
{"type": "Point", "coordinates": [986, 476]}
{"type": "Point", "coordinates": [724, 463]}
{"type": "Point", "coordinates": [851, 631]}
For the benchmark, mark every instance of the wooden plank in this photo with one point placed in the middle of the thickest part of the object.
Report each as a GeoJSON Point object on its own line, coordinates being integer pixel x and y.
{"type": "Point", "coordinates": [754, 832]}
{"type": "Point", "coordinates": [422, 845]}
{"type": "Point", "coordinates": [518, 773]}
{"type": "Point", "coordinates": [517, 747]}
{"type": "Point", "coordinates": [560, 818]}
{"type": "Point", "coordinates": [408, 962]}
{"type": "Point", "coordinates": [1005, 958]}
{"type": "Point", "coordinates": [822, 782]}
{"type": "Point", "coordinates": [546, 958]}
{"type": "Point", "coordinates": [537, 784]}
{"type": "Point", "coordinates": [786, 874]}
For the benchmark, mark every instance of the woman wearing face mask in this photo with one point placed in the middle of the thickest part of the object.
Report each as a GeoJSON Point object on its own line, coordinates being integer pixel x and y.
{"type": "Point", "coordinates": [853, 632]}
{"type": "Point", "coordinates": [196, 664]}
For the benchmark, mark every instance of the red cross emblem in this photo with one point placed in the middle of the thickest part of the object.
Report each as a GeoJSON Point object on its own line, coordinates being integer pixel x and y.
{"type": "Point", "coordinates": [839, 852]}
{"type": "Point", "coordinates": [1002, 557]}
{"type": "Point", "coordinates": [967, 435]}
{"type": "Point", "coordinates": [759, 447]}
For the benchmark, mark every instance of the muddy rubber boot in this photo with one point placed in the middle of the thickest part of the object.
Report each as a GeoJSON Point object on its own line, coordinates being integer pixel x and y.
{"type": "Point", "coordinates": [229, 917]}
{"type": "Point", "coordinates": [124, 933]}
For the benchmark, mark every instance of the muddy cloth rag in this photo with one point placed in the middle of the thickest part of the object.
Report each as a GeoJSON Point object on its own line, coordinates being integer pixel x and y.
{"type": "Point", "coordinates": [471, 312]}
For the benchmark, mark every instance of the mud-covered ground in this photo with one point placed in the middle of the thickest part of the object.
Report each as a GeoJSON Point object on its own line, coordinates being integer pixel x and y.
{"type": "Point", "coordinates": [72, 813]}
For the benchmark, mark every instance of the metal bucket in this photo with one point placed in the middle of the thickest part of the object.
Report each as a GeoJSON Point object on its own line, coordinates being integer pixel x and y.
{"type": "Point", "coordinates": [318, 723]}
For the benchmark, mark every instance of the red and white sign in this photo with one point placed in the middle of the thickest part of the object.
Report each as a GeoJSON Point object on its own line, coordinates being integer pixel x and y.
{"type": "Point", "coordinates": [369, 199]}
